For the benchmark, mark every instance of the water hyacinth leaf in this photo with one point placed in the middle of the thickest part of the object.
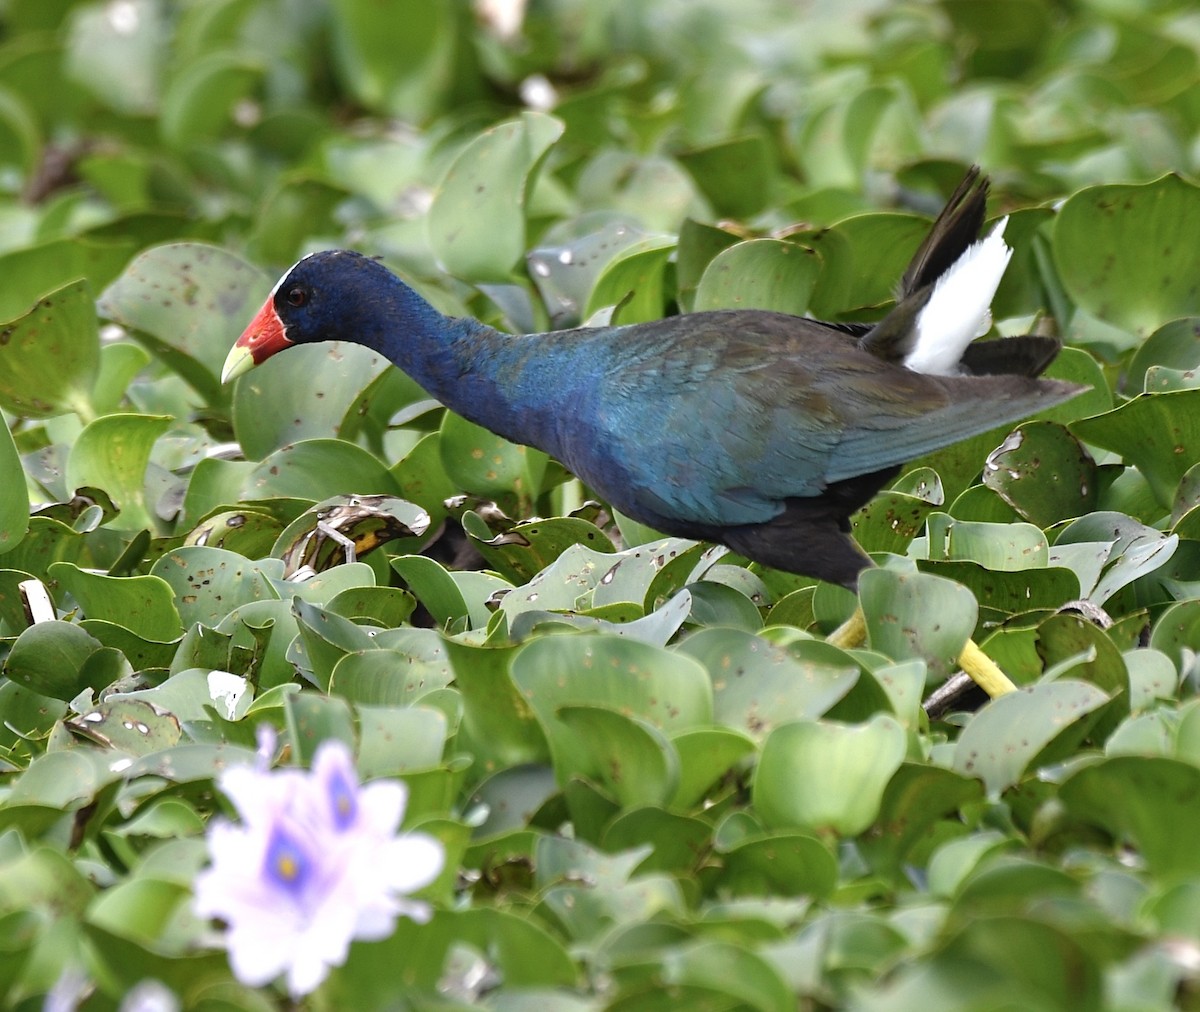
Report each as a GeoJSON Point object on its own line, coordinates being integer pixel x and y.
{"type": "Point", "coordinates": [187, 302]}
{"type": "Point", "coordinates": [827, 777]}
{"type": "Point", "coordinates": [1005, 547]}
{"type": "Point", "coordinates": [633, 283]}
{"type": "Point", "coordinates": [319, 469]}
{"type": "Point", "coordinates": [312, 719]}
{"type": "Point", "coordinates": [434, 587]}
{"type": "Point", "coordinates": [36, 271]}
{"type": "Point", "coordinates": [715, 604]}
{"type": "Point", "coordinates": [512, 797]}
{"type": "Point", "coordinates": [386, 607]}
{"type": "Point", "coordinates": [209, 583]}
{"type": "Point", "coordinates": [121, 60]}
{"type": "Point", "coordinates": [50, 356]}
{"type": "Point", "coordinates": [728, 972]}
{"type": "Point", "coordinates": [1176, 633]}
{"type": "Point", "coordinates": [668, 691]}
{"type": "Point", "coordinates": [1123, 251]}
{"type": "Point", "coordinates": [1148, 801]}
{"type": "Point", "coordinates": [860, 257]}
{"type": "Point", "coordinates": [189, 695]}
{"type": "Point", "coordinates": [137, 909]}
{"type": "Point", "coordinates": [1041, 723]}
{"type": "Point", "coordinates": [314, 540]}
{"type": "Point", "coordinates": [654, 571]}
{"type": "Point", "coordinates": [781, 863]}
{"type": "Point", "coordinates": [760, 274]}
{"type": "Point", "coordinates": [386, 678]}
{"type": "Point", "coordinates": [136, 726]}
{"type": "Point", "coordinates": [394, 741]}
{"type": "Point", "coordinates": [200, 102]}
{"type": "Point", "coordinates": [14, 498]}
{"type": "Point", "coordinates": [400, 64]}
{"type": "Point", "coordinates": [249, 532]}
{"type": "Point", "coordinates": [498, 722]}
{"type": "Point", "coordinates": [50, 658]}
{"type": "Point", "coordinates": [324, 639]}
{"type": "Point", "coordinates": [915, 799]}
{"type": "Point", "coordinates": [1043, 473]}
{"type": "Point", "coordinates": [1064, 637]}
{"type": "Point", "coordinates": [300, 396]}
{"type": "Point", "coordinates": [264, 629]}
{"type": "Point", "coordinates": [890, 521]}
{"type": "Point", "coordinates": [1110, 550]}
{"type": "Point", "coordinates": [1159, 434]}
{"type": "Point", "coordinates": [678, 840]}
{"type": "Point", "coordinates": [1175, 345]}
{"type": "Point", "coordinates": [113, 453]}
{"type": "Point", "coordinates": [477, 221]}
{"type": "Point", "coordinates": [1151, 676]}
{"type": "Point", "coordinates": [916, 615]}
{"type": "Point", "coordinates": [569, 259]}
{"type": "Point", "coordinates": [705, 756]}
{"type": "Point", "coordinates": [734, 175]}
{"type": "Point", "coordinates": [484, 464]}
{"type": "Point", "coordinates": [527, 549]}
{"type": "Point", "coordinates": [143, 604]}
{"type": "Point", "coordinates": [698, 244]}
{"type": "Point", "coordinates": [758, 686]}
{"type": "Point", "coordinates": [631, 758]}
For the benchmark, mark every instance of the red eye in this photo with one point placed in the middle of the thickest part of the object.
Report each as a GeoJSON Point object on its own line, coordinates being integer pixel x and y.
{"type": "Point", "coordinates": [297, 296]}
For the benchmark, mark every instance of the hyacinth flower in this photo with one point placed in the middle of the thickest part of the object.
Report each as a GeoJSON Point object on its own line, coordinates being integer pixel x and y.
{"type": "Point", "coordinates": [314, 864]}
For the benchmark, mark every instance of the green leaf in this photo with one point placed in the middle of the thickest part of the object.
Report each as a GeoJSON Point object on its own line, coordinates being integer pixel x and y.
{"type": "Point", "coordinates": [758, 686]}
{"type": "Point", "coordinates": [319, 469]}
{"type": "Point", "coordinates": [760, 274]}
{"type": "Point", "coordinates": [1157, 433]}
{"type": "Point", "coordinates": [200, 102]}
{"type": "Point", "coordinates": [312, 719]}
{"type": "Point", "coordinates": [50, 356]}
{"type": "Point", "coordinates": [1043, 473]}
{"type": "Point", "coordinates": [1149, 801]}
{"type": "Point", "coordinates": [484, 464]}
{"type": "Point", "coordinates": [1014, 732]}
{"type": "Point", "coordinates": [14, 497]}
{"type": "Point", "coordinates": [499, 724]}
{"type": "Point", "coordinates": [1124, 252]}
{"type": "Point", "coordinates": [50, 659]}
{"type": "Point", "coordinates": [393, 741]}
{"type": "Point", "coordinates": [630, 757]}
{"type": "Point", "coordinates": [187, 302]}
{"type": "Point", "coordinates": [112, 453]}
{"type": "Point", "coordinates": [735, 175]}
{"type": "Point", "coordinates": [400, 62]}
{"type": "Point", "coordinates": [667, 691]}
{"type": "Point", "coordinates": [143, 604]}
{"type": "Point", "coordinates": [477, 221]}
{"type": "Point", "coordinates": [120, 59]}
{"type": "Point", "coordinates": [705, 755]}
{"type": "Point", "coordinates": [633, 283]}
{"type": "Point", "coordinates": [827, 777]}
{"type": "Point", "coordinates": [915, 615]}
{"type": "Point", "coordinates": [209, 583]}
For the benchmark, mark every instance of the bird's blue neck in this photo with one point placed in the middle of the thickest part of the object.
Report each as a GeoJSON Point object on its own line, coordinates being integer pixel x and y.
{"type": "Point", "coordinates": [473, 369]}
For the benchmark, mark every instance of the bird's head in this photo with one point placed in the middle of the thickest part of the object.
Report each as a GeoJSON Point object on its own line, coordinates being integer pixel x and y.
{"type": "Point", "coordinates": [311, 302]}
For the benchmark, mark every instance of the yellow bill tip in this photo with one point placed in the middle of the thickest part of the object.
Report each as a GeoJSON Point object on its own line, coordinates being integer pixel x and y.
{"type": "Point", "coordinates": [240, 360]}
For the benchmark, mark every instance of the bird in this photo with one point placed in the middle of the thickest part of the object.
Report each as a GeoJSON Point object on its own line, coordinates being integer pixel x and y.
{"type": "Point", "coordinates": [758, 430]}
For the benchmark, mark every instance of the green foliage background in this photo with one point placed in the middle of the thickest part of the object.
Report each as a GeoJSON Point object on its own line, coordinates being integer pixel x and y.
{"type": "Point", "coordinates": [658, 786]}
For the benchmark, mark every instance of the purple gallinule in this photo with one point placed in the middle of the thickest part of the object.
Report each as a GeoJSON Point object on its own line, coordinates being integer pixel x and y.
{"type": "Point", "coordinates": [758, 430]}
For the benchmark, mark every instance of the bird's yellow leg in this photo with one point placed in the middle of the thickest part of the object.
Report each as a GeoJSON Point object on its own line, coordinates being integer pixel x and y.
{"type": "Point", "coordinates": [982, 669]}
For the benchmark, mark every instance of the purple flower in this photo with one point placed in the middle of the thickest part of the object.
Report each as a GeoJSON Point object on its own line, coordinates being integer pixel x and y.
{"type": "Point", "coordinates": [314, 864]}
